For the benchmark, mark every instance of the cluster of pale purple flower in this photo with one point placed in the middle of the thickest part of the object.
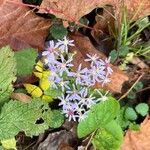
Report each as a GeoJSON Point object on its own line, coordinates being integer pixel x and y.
{"type": "Point", "coordinates": [75, 99]}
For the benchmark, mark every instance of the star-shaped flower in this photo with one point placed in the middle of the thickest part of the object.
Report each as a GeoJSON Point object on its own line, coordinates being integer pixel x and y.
{"type": "Point", "coordinates": [92, 58]}
{"type": "Point", "coordinates": [70, 111]}
{"type": "Point", "coordinates": [64, 65]}
{"type": "Point", "coordinates": [80, 75]}
{"type": "Point", "coordinates": [63, 44]}
{"type": "Point", "coordinates": [62, 83]}
{"type": "Point", "coordinates": [86, 100]}
{"type": "Point", "coordinates": [74, 94]}
{"type": "Point", "coordinates": [106, 64]}
{"type": "Point", "coordinates": [64, 101]}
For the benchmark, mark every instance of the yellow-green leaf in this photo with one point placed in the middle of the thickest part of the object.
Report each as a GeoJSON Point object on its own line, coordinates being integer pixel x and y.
{"type": "Point", "coordinates": [39, 66]}
{"type": "Point", "coordinates": [47, 98]}
{"type": "Point", "coordinates": [38, 74]}
{"type": "Point", "coordinates": [44, 83]}
{"type": "Point", "coordinates": [9, 143]}
{"type": "Point", "coordinates": [33, 90]}
{"type": "Point", "coordinates": [46, 74]}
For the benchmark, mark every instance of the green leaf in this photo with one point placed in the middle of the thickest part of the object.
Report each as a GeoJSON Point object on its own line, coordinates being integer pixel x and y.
{"type": "Point", "coordinates": [134, 127]}
{"type": "Point", "coordinates": [123, 51]}
{"type": "Point", "coordinates": [121, 120]}
{"type": "Point", "coordinates": [99, 115]}
{"type": "Point", "coordinates": [131, 95]}
{"type": "Point", "coordinates": [130, 114]}
{"type": "Point", "coordinates": [113, 55]}
{"type": "Point", "coordinates": [138, 86]}
{"type": "Point", "coordinates": [18, 116]}
{"type": "Point", "coordinates": [142, 109]}
{"type": "Point", "coordinates": [58, 31]}
{"type": "Point", "coordinates": [55, 119]}
{"type": "Point", "coordinates": [142, 22]}
{"type": "Point", "coordinates": [7, 73]}
{"type": "Point", "coordinates": [25, 61]}
{"type": "Point", "coordinates": [108, 138]}
{"type": "Point", "coordinates": [54, 93]}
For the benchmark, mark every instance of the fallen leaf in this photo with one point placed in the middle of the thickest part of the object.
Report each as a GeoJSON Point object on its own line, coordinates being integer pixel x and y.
{"type": "Point", "coordinates": [55, 139]}
{"type": "Point", "coordinates": [137, 8]}
{"type": "Point", "coordinates": [73, 10]}
{"type": "Point", "coordinates": [21, 97]}
{"type": "Point", "coordinates": [20, 27]}
{"type": "Point", "coordinates": [25, 79]}
{"type": "Point", "coordinates": [101, 33]}
{"type": "Point", "coordinates": [82, 47]}
{"type": "Point", "coordinates": [138, 140]}
{"type": "Point", "coordinates": [64, 146]}
{"type": "Point", "coordinates": [103, 21]}
{"type": "Point", "coordinates": [137, 61]}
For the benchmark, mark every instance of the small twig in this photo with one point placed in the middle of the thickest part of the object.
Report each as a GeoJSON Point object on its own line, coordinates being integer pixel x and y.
{"type": "Point", "coordinates": [143, 89]}
{"type": "Point", "coordinates": [83, 25]}
{"type": "Point", "coordinates": [138, 9]}
{"type": "Point", "coordinates": [124, 95]}
{"type": "Point", "coordinates": [89, 142]}
{"type": "Point", "coordinates": [30, 145]}
{"type": "Point", "coordinates": [109, 13]}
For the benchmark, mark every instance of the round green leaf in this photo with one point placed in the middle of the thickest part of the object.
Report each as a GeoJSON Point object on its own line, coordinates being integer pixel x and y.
{"type": "Point", "coordinates": [108, 138]}
{"type": "Point", "coordinates": [138, 86]}
{"type": "Point", "coordinates": [142, 109]}
{"type": "Point", "coordinates": [113, 55]}
{"type": "Point", "coordinates": [130, 114]}
{"type": "Point", "coordinates": [58, 31]}
{"type": "Point", "coordinates": [123, 51]}
{"type": "Point", "coordinates": [99, 115]}
{"type": "Point", "coordinates": [131, 95]}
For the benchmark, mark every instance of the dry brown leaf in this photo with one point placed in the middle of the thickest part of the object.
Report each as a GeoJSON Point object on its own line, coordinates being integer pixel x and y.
{"type": "Point", "coordinates": [20, 27]}
{"type": "Point", "coordinates": [64, 146]}
{"type": "Point", "coordinates": [21, 97]}
{"type": "Point", "coordinates": [137, 8]}
{"type": "Point", "coordinates": [84, 46]}
{"type": "Point", "coordinates": [137, 61]}
{"type": "Point", "coordinates": [138, 140]}
{"type": "Point", "coordinates": [103, 21]}
{"type": "Point", "coordinates": [73, 10]}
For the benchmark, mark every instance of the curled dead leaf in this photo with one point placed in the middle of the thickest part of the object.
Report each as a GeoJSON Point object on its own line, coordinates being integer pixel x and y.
{"type": "Point", "coordinates": [21, 97]}
{"type": "Point", "coordinates": [138, 140]}
{"type": "Point", "coordinates": [82, 47]}
{"type": "Point", "coordinates": [73, 10]}
{"type": "Point", "coordinates": [20, 27]}
{"type": "Point", "coordinates": [105, 21]}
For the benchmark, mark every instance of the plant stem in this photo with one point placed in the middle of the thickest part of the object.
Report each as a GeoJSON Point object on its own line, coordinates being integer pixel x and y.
{"type": "Point", "coordinates": [124, 95]}
{"type": "Point", "coordinates": [89, 142]}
